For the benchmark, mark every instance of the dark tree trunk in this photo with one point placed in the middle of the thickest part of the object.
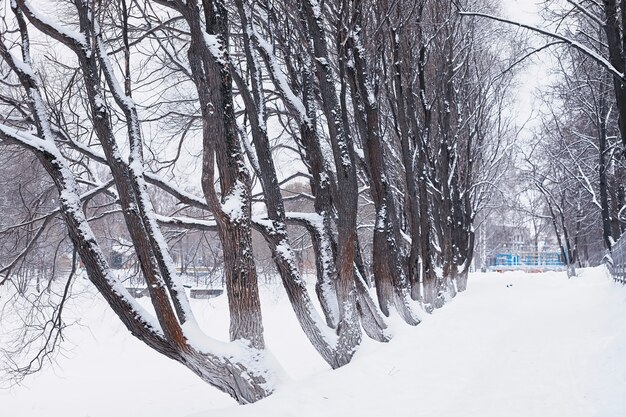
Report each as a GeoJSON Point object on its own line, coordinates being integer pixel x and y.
{"type": "Point", "coordinates": [166, 336]}
{"type": "Point", "coordinates": [614, 29]}
{"type": "Point", "coordinates": [604, 193]}
{"type": "Point", "coordinates": [413, 215]}
{"type": "Point", "coordinates": [343, 153]}
{"type": "Point", "coordinates": [276, 233]}
{"type": "Point", "coordinates": [389, 274]}
{"type": "Point", "coordinates": [220, 143]}
{"type": "Point", "coordinates": [324, 189]}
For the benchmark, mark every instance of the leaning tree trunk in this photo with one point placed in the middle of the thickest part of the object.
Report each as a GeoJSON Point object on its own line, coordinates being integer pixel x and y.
{"type": "Point", "coordinates": [275, 232]}
{"type": "Point", "coordinates": [212, 78]}
{"type": "Point", "coordinates": [153, 257]}
{"type": "Point", "coordinates": [421, 135]}
{"type": "Point", "coordinates": [245, 380]}
{"type": "Point", "coordinates": [410, 176]}
{"type": "Point", "coordinates": [323, 187]}
{"type": "Point", "coordinates": [343, 153]}
{"type": "Point", "coordinates": [392, 285]}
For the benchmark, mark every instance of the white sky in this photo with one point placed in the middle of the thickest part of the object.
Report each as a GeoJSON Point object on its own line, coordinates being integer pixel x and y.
{"type": "Point", "coordinates": [535, 75]}
{"type": "Point", "coordinates": [523, 11]}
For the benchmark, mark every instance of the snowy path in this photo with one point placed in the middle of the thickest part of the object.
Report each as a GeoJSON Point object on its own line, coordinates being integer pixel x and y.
{"type": "Point", "coordinates": [543, 347]}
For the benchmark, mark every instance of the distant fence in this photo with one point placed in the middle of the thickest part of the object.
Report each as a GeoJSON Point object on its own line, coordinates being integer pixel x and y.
{"type": "Point", "coordinates": [616, 260]}
{"type": "Point", "coordinates": [526, 261]}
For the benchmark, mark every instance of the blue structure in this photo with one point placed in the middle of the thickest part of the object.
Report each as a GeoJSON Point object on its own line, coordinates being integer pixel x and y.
{"type": "Point", "coordinates": [530, 261]}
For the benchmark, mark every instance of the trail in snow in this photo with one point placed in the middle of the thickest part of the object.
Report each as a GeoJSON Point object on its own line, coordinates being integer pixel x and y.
{"type": "Point", "coordinates": [514, 344]}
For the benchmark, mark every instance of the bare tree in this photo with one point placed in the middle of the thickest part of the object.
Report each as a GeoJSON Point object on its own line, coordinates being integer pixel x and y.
{"type": "Point", "coordinates": [393, 117]}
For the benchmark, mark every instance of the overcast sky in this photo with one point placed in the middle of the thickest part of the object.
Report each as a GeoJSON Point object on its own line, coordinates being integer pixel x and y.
{"type": "Point", "coordinates": [524, 11]}
{"type": "Point", "coordinates": [535, 76]}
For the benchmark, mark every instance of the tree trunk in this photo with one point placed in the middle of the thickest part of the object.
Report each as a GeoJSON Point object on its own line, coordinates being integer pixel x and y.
{"type": "Point", "coordinates": [389, 275]}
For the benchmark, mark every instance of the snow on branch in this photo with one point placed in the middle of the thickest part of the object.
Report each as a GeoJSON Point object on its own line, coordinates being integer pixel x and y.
{"type": "Point", "coordinates": [280, 80]}
{"type": "Point", "coordinates": [586, 12]}
{"type": "Point", "coordinates": [187, 223]}
{"type": "Point", "coordinates": [577, 45]}
{"type": "Point", "coordinates": [68, 37]}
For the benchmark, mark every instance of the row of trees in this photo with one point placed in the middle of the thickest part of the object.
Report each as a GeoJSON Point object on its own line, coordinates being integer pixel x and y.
{"type": "Point", "coordinates": [575, 165]}
{"type": "Point", "coordinates": [391, 110]}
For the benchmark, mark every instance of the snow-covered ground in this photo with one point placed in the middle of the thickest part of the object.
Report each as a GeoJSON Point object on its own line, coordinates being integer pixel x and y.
{"type": "Point", "coordinates": [514, 344]}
